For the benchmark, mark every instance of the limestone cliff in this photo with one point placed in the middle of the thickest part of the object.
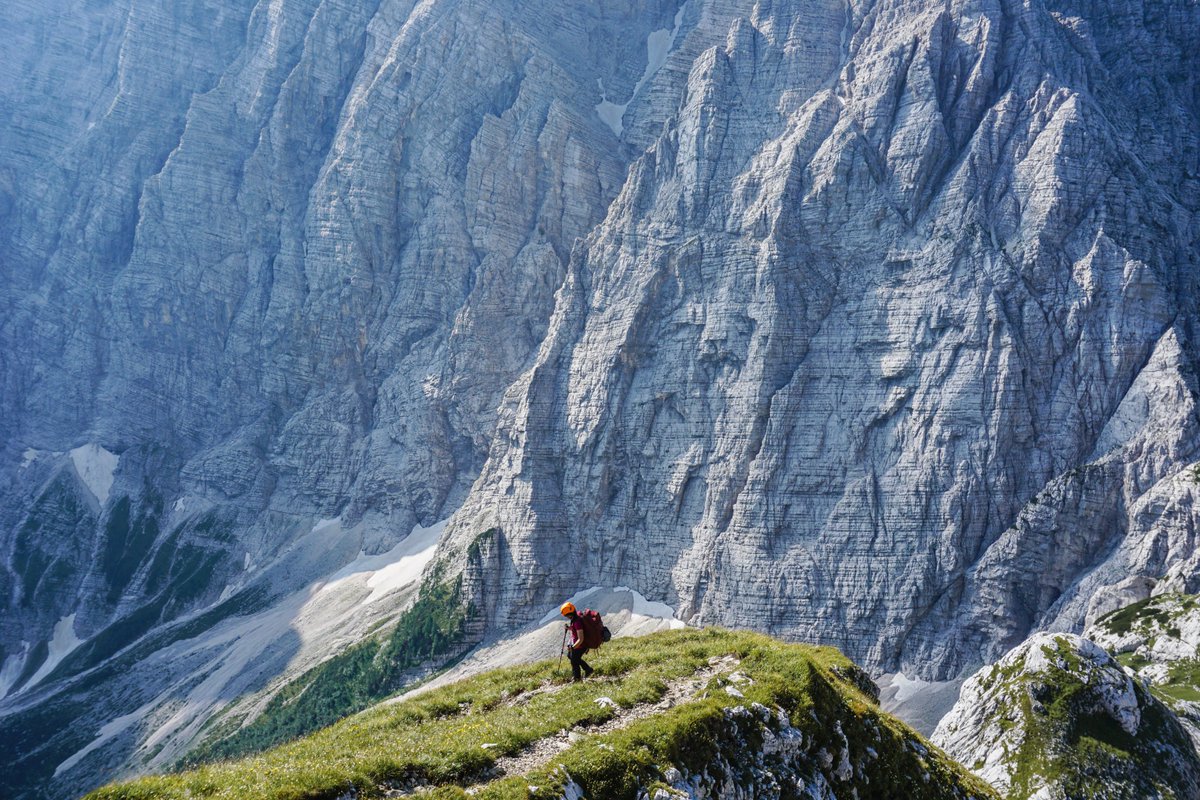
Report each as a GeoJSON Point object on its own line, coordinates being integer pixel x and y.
{"type": "Point", "coordinates": [870, 323]}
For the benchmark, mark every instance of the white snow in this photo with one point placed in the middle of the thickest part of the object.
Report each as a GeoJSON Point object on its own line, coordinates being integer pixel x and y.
{"type": "Point", "coordinates": [95, 467]}
{"type": "Point", "coordinates": [626, 613]}
{"type": "Point", "coordinates": [610, 113]}
{"type": "Point", "coordinates": [921, 704]}
{"type": "Point", "coordinates": [28, 457]}
{"type": "Point", "coordinates": [62, 642]}
{"type": "Point", "coordinates": [114, 728]}
{"type": "Point", "coordinates": [387, 572]}
{"type": "Point", "coordinates": [650, 608]}
{"type": "Point", "coordinates": [405, 561]}
{"type": "Point", "coordinates": [308, 624]}
{"type": "Point", "coordinates": [907, 688]}
{"type": "Point", "coordinates": [606, 600]}
{"type": "Point", "coordinates": [11, 669]}
{"type": "Point", "coordinates": [658, 47]}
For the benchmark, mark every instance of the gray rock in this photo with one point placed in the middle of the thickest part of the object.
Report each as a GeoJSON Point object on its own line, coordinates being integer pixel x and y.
{"type": "Point", "coordinates": [1058, 717]}
{"type": "Point", "coordinates": [867, 323]}
{"type": "Point", "coordinates": [881, 344]}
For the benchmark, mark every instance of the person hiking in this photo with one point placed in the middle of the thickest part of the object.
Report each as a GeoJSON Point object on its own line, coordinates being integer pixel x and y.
{"type": "Point", "coordinates": [576, 648]}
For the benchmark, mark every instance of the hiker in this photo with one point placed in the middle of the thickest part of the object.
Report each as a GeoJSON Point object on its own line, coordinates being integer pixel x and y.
{"type": "Point", "coordinates": [577, 647]}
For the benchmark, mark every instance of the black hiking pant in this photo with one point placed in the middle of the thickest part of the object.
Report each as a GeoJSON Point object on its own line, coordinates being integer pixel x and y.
{"type": "Point", "coordinates": [577, 662]}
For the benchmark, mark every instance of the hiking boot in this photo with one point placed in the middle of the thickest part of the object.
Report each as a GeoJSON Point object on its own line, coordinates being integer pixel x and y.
{"type": "Point", "coordinates": [587, 673]}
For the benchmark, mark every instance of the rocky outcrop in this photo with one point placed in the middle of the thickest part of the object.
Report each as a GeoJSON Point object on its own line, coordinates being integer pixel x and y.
{"type": "Point", "coordinates": [1058, 718]}
{"type": "Point", "coordinates": [1158, 641]}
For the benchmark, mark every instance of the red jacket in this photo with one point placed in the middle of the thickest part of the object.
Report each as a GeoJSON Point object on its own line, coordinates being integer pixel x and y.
{"type": "Point", "coordinates": [575, 626]}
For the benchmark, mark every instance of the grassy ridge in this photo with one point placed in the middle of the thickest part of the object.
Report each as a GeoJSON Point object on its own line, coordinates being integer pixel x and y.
{"type": "Point", "coordinates": [439, 737]}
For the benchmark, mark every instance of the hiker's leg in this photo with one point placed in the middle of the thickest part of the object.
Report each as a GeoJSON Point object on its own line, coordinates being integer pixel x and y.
{"type": "Point", "coordinates": [576, 657]}
{"type": "Point", "coordinates": [587, 671]}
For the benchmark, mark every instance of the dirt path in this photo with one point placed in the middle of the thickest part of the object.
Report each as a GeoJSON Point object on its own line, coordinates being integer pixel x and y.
{"type": "Point", "coordinates": [544, 750]}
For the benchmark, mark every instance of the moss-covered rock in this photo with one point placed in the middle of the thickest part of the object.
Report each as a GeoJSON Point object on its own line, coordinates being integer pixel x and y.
{"type": "Point", "coordinates": [1058, 717]}
{"type": "Point", "coordinates": [1158, 640]}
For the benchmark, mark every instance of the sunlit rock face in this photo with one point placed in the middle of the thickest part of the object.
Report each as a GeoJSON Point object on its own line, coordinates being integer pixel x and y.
{"type": "Point", "coordinates": [264, 266]}
{"type": "Point", "coordinates": [865, 323]}
{"type": "Point", "coordinates": [886, 340]}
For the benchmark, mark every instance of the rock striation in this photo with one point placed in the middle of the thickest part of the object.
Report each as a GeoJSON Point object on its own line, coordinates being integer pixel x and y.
{"type": "Point", "coordinates": [869, 322]}
{"type": "Point", "coordinates": [885, 341]}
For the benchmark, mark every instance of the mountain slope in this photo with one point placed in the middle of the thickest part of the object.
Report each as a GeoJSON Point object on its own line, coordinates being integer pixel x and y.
{"type": "Point", "coordinates": [870, 323]}
{"type": "Point", "coordinates": [1058, 718]}
{"type": "Point", "coordinates": [887, 339]}
{"type": "Point", "coordinates": [684, 713]}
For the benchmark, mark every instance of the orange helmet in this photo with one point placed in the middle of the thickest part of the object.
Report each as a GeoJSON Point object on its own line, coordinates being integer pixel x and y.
{"type": "Point", "coordinates": [568, 608]}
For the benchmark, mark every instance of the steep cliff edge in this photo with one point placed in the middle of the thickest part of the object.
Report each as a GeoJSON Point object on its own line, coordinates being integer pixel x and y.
{"type": "Point", "coordinates": [886, 341]}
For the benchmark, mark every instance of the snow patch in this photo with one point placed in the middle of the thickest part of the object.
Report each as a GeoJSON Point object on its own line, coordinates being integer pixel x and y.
{"type": "Point", "coordinates": [95, 467]}
{"type": "Point", "coordinates": [921, 704]}
{"type": "Point", "coordinates": [407, 561]}
{"type": "Point", "coordinates": [658, 47]}
{"type": "Point", "coordinates": [304, 627]}
{"type": "Point", "coordinates": [62, 642]}
{"type": "Point", "coordinates": [651, 609]}
{"type": "Point", "coordinates": [610, 113]}
{"type": "Point", "coordinates": [28, 457]}
{"type": "Point", "coordinates": [11, 669]}
{"type": "Point", "coordinates": [605, 600]}
{"type": "Point", "coordinates": [907, 688]}
{"type": "Point", "coordinates": [390, 571]}
{"type": "Point", "coordinates": [109, 731]}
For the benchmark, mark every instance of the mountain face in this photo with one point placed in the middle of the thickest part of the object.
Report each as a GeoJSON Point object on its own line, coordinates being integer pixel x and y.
{"type": "Point", "coordinates": [885, 341]}
{"type": "Point", "coordinates": [869, 323]}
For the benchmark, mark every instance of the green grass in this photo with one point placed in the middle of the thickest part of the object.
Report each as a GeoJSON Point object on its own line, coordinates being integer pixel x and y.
{"type": "Point", "coordinates": [350, 681]}
{"type": "Point", "coordinates": [438, 737]}
{"type": "Point", "coordinates": [1182, 683]}
{"type": "Point", "coordinates": [1082, 751]}
{"type": "Point", "coordinates": [1144, 615]}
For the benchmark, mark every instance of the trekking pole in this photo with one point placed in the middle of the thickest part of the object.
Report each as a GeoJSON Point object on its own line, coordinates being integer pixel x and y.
{"type": "Point", "coordinates": [562, 649]}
